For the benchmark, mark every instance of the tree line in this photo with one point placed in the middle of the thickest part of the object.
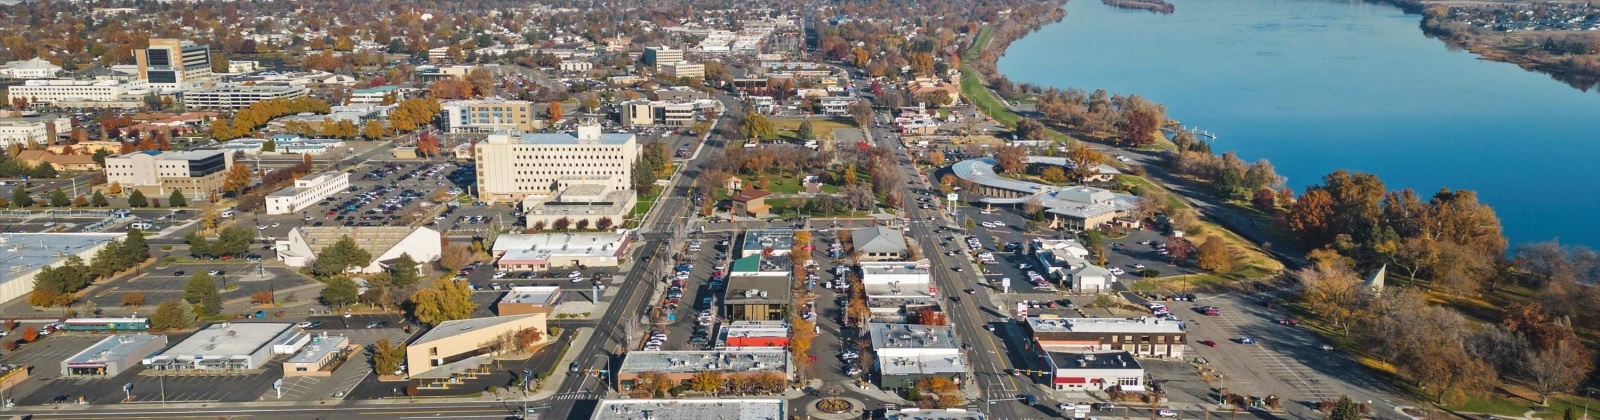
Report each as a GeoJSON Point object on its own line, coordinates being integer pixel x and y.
{"type": "Point", "coordinates": [246, 121]}
{"type": "Point", "coordinates": [54, 285]}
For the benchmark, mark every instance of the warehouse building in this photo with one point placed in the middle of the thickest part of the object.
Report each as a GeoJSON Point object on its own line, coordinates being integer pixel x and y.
{"type": "Point", "coordinates": [22, 255]}
{"type": "Point", "coordinates": [113, 355]}
{"type": "Point", "coordinates": [229, 347]}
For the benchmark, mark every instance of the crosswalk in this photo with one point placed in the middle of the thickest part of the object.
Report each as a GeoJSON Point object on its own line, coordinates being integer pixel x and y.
{"type": "Point", "coordinates": [571, 396]}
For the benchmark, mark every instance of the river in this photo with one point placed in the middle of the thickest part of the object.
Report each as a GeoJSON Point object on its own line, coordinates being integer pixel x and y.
{"type": "Point", "coordinates": [1316, 85]}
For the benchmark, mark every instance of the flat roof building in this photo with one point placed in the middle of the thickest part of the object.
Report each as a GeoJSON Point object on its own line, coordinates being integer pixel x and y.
{"type": "Point", "coordinates": [773, 241]}
{"type": "Point", "coordinates": [690, 409]}
{"type": "Point", "coordinates": [683, 69]}
{"type": "Point", "coordinates": [538, 252]}
{"type": "Point", "coordinates": [197, 173]}
{"type": "Point", "coordinates": [228, 346]}
{"type": "Point", "coordinates": [232, 97]}
{"type": "Point", "coordinates": [746, 335]}
{"type": "Point", "coordinates": [1150, 337]}
{"type": "Point", "coordinates": [22, 255]}
{"type": "Point", "coordinates": [908, 353]}
{"type": "Point", "coordinates": [319, 356]}
{"type": "Point", "coordinates": [307, 191]}
{"type": "Point", "coordinates": [582, 177]}
{"type": "Point", "coordinates": [757, 298]}
{"type": "Point", "coordinates": [488, 116]}
{"type": "Point", "coordinates": [1095, 371]}
{"type": "Point", "coordinates": [523, 300]}
{"type": "Point", "coordinates": [679, 366]}
{"type": "Point", "coordinates": [454, 351]}
{"type": "Point", "coordinates": [656, 56]}
{"type": "Point", "coordinates": [79, 93]}
{"type": "Point", "coordinates": [174, 63]}
{"type": "Point", "coordinates": [113, 355]}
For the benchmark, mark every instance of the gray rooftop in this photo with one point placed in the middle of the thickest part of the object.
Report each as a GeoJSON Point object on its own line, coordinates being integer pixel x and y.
{"type": "Point", "coordinates": [775, 238]}
{"type": "Point", "coordinates": [907, 336]}
{"type": "Point", "coordinates": [922, 364]}
{"type": "Point", "coordinates": [1112, 360]}
{"type": "Point", "coordinates": [532, 294]}
{"type": "Point", "coordinates": [878, 239]}
{"type": "Point", "coordinates": [747, 361]}
{"type": "Point", "coordinates": [228, 339]}
{"type": "Point", "coordinates": [691, 409]}
{"type": "Point", "coordinates": [608, 139]}
{"type": "Point", "coordinates": [934, 414]}
{"type": "Point", "coordinates": [22, 253]}
{"type": "Point", "coordinates": [319, 348]}
{"type": "Point", "coordinates": [116, 347]}
{"type": "Point", "coordinates": [776, 288]}
{"type": "Point", "coordinates": [1104, 325]}
{"type": "Point", "coordinates": [450, 329]}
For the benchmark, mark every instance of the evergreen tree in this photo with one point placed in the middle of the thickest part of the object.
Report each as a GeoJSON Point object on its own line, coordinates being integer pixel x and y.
{"type": "Point", "coordinates": [59, 199]}
{"type": "Point", "coordinates": [98, 200]}
{"type": "Point", "coordinates": [177, 199]}
{"type": "Point", "coordinates": [340, 291]}
{"type": "Point", "coordinates": [403, 272]}
{"type": "Point", "coordinates": [1345, 409]}
{"type": "Point", "coordinates": [20, 197]}
{"type": "Point", "coordinates": [805, 131]}
{"type": "Point", "coordinates": [134, 250]}
{"type": "Point", "coordinates": [202, 290]}
{"type": "Point", "coordinates": [137, 200]}
{"type": "Point", "coordinates": [340, 257]}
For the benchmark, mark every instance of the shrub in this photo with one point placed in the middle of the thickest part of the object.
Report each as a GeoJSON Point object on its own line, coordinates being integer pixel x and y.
{"type": "Point", "coordinates": [30, 334]}
{"type": "Point", "coordinates": [1150, 273]}
{"type": "Point", "coordinates": [11, 346]}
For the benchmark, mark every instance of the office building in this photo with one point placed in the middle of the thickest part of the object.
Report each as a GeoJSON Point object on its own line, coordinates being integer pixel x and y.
{"type": "Point", "coordinates": [1140, 336]}
{"type": "Point", "coordinates": [34, 68]}
{"type": "Point", "coordinates": [229, 347]}
{"type": "Point", "coordinates": [656, 56]}
{"type": "Point", "coordinates": [79, 93]}
{"type": "Point", "coordinates": [576, 65]}
{"type": "Point", "coordinates": [174, 64]}
{"type": "Point", "coordinates": [751, 335]}
{"type": "Point", "coordinates": [318, 356]}
{"type": "Point", "coordinates": [488, 116]}
{"type": "Point", "coordinates": [908, 353]}
{"type": "Point", "coordinates": [454, 351]}
{"type": "Point", "coordinates": [683, 69]}
{"type": "Point", "coordinates": [879, 243]}
{"type": "Point", "coordinates": [767, 242]}
{"type": "Point", "coordinates": [112, 356]}
{"type": "Point", "coordinates": [384, 243]}
{"type": "Point", "coordinates": [197, 172]}
{"type": "Point", "coordinates": [757, 298]}
{"type": "Point", "coordinates": [524, 300]}
{"type": "Point", "coordinates": [231, 97]}
{"type": "Point", "coordinates": [664, 113]}
{"type": "Point", "coordinates": [375, 95]}
{"type": "Point", "coordinates": [30, 131]}
{"type": "Point", "coordinates": [22, 255]}
{"type": "Point", "coordinates": [691, 409]}
{"type": "Point", "coordinates": [307, 191]}
{"type": "Point", "coordinates": [578, 179]}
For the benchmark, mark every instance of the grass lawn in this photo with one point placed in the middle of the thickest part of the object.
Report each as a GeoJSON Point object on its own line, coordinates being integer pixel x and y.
{"type": "Point", "coordinates": [643, 206]}
{"type": "Point", "coordinates": [1250, 263]}
{"type": "Point", "coordinates": [821, 127]}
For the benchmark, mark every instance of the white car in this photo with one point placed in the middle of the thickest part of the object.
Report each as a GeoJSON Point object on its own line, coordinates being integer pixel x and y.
{"type": "Point", "coordinates": [1167, 413]}
{"type": "Point", "coordinates": [49, 224]}
{"type": "Point", "coordinates": [987, 225]}
{"type": "Point", "coordinates": [214, 272]}
{"type": "Point", "coordinates": [274, 225]}
{"type": "Point", "coordinates": [575, 274]}
{"type": "Point", "coordinates": [999, 223]}
{"type": "Point", "coordinates": [1116, 270]}
{"type": "Point", "coordinates": [577, 279]}
{"type": "Point", "coordinates": [499, 275]}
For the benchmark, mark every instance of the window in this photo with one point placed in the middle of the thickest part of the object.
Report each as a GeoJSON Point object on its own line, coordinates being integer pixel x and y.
{"type": "Point", "coordinates": [433, 351]}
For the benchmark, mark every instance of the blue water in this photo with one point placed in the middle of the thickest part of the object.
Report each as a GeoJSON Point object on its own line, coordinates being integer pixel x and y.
{"type": "Point", "coordinates": [1315, 86]}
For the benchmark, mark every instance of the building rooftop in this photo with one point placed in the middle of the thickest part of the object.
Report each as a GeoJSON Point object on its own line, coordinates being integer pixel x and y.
{"type": "Point", "coordinates": [878, 239]}
{"type": "Point", "coordinates": [907, 336]}
{"type": "Point", "coordinates": [243, 88]}
{"type": "Point", "coordinates": [115, 348]}
{"type": "Point", "coordinates": [319, 348]}
{"type": "Point", "coordinates": [448, 329]}
{"type": "Point", "coordinates": [545, 295]}
{"type": "Point", "coordinates": [688, 361]}
{"type": "Point", "coordinates": [691, 409]}
{"type": "Point", "coordinates": [775, 238]}
{"type": "Point", "coordinates": [1104, 325]}
{"type": "Point", "coordinates": [307, 182]}
{"type": "Point", "coordinates": [568, 139]}
{"type": "Point", "coordinates": [228, 339]}
{"type": "Point", "coordinates": [22, 253]}
{"type": "Point", "coordinates": [563, 244]}
{"type": "Point", "coordinates": [885, 268]}
{"type": "Point", "coordinates": [749, 289]}
{"type": "Point", "coordinates": [922, 364]}
{"type": "Point", "coordinates": [1111, 360]}
{"type": "Point", "coordinates": [374, 239]}
{"type": "Point", "coordinates": [934, 414]}
{"type": "Point", "coordinates": [750, 194]}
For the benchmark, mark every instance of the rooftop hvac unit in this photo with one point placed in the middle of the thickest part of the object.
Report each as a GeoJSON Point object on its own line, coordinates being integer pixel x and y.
{"type": "Point", "coordinates": [763, 294]}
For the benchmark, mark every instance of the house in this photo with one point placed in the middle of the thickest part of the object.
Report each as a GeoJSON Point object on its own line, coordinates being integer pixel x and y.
{"type": "Point", "coordinates": [384, 243]}
{"type": "Point", "coordinates": [879, 243]}
{"type": "Point", "coordinates": [751, 203]}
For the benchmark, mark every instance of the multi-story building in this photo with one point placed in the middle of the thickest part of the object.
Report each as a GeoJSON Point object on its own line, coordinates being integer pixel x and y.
{"type": "Point", "coordinates": [1140, 336]}
{"type": "Point", "coordinates": [455, 350]}
{"type": "Point", "coordinates": [581, 177]}
{"type": "Point", "coordinates": [56, 91]}
{"type": "Point", "coordinates": [237, 96]}
{"type": "Point", "coordinates": [29, 131]}
{"type": "Point", "coordinates": [656, 56]}
{"type": "Point", "coordinates": [488, 115]}
{"type": "Point", "coordinates": [908, 353]}
{"type": "Point", "coordinates": [197, 172]}
{"type": "Point", "coordinates": [35, 68]}
{"type": "Point", "coordinates": [173, 64]}
{"type": "Point", "coordinates": [660, 113]}
{"type": "Point", "coordinates": [374, 95]}
{"type": "Point", "coordinates": [683, 69]}
{"type": "Point", "coordinates": [307, 191]}
{"type": "Point", "coordinates": [576, 65]}
{"type": "Point", "coordinates": [837, 106]}
{"type": "Point", "coordinates": [1095, 371]}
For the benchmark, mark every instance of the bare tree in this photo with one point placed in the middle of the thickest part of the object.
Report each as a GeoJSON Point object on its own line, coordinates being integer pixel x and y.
{"type": "Point", "coordinates": [1556, 369]}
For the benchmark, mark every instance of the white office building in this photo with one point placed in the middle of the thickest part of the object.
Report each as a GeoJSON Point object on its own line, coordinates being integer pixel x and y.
{"type": "Point", "coordinates": [52, 91]}
{"type": "Point", "coordinates": [307, 191]}
{"type": "Point", "coordinates": [35, 68]}
{"type": "Point", "coordinates": [28, 131]}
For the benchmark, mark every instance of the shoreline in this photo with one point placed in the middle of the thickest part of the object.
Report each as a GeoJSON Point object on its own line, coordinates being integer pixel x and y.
{"type": "Point", "coordinates": [1558, 67]}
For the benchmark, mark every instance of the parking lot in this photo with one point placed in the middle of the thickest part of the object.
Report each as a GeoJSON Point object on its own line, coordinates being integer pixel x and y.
{"type": "Point", "coordinates": [237, 279]}
{"type": "Point", "coordinates": [391, 194]}
{"type": "Point", "coordinates": [1137, 248]}
{"type": "Point", "coordinates": [686, 330]}
{"type": "Point", "coordinates": [88, 220]}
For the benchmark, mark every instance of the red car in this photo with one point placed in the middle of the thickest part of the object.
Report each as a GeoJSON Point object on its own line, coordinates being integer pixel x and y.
{"type": "Point", "coordinates": [1289, 321]}
{"type": "Point", "coordinates": [1208, 343]}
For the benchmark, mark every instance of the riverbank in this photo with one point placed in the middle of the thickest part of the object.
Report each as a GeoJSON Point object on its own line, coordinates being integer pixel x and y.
{"type": "Point", "coordinates": [1157, 6]}
{"type": "Point", "coordinates": [1542, 51]}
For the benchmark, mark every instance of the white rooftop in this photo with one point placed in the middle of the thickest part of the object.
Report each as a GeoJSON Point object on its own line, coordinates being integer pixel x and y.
{"type": "Point", "coordinates": [690, 409]}
{"type": "Point", "coordinates": [547, 245]}
{"type": "Point", "coordinates": [1104, 325]}
{"type": "Point", "coordinates": [934, 414]}
{"type": "Point", "coordinates": [22, 253]}
{"type": "Point", "coordinates": [531, 294]}
{"type": "Point", "coordinates": [319, 348]}
{"type": "Point", "coordinates": [115, 348]}
{"type": "Point", "coordinates": [228, 339]}
{"type": "Point", "coordinates": [706, 360]}
{"type": "Point", "coordinates": [907, 336]}
{"type": "Point", "coordinates": [921, 364]}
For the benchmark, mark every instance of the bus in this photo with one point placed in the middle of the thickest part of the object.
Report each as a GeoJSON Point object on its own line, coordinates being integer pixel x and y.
{"type": "Point", "coordinates": [106, 325]}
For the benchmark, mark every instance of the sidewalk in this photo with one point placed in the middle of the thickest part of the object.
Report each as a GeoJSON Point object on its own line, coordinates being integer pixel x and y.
{"type": "Point", "coordinates": [549, 387]}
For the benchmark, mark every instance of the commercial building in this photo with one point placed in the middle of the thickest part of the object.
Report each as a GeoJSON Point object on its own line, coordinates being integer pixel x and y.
{"type": "Point", "coordinates": [524, 300]}
{"type": "Point", "coordinates": [230, 346]}
{"type": "Point", "coordinates": [749, 335]}
{"type": "Point", "coordinates": [196, 172]}
{"type": "Point", "coordinates": [173, 63]}
{"type": "Point", "coordinates": [60, 162]}
{"type": "Point", "coordinates": [767, 242]}
{"type": "Point", "coordinates": [690, 409]}
{"type": "Point", "coordinates": [836, 106]}
{"type": "Point", "coordinates": [644, 113]}
{"type": "Point", "coordinates": [584, 177]}
{"type": "Point", "coordinates": [284, 144]}
{"type": "Point", "coordinates": [538, 252]}
{"type": "Point", "coordinates": [384, 243]}
{"type": "Point", "coordinates": [31, 131]}
{"type": "Point", "coordinates": [1073, 208]}
{"type": "Point", "coordinates": [879, 243]}
{"type": "Point", "coordinates": [751, 203]}
{"type": "Point", "coordinates": [575, 65]}
{"type": "Point", "coordinates": [757, 298]}
{"type": "Point", "coordinates": [488, 116]}
{"type": "Point", "coordinates": [319, 356]}
{"type": "Point", "coordinates": [1067, 261]}
{"type": "Point", "coordinates": [1139, 336]}
{"type": "Point", "coordinates": [437, 73]}
{"type": "Point", "coordinates": [232, 96]}
{"type": "Point", "coordinates": [71, 93]}
{"type": "Point", "coordinates": [22, 255]}
{"type": "Point", "coordinates": [907, 353]}
{"type": "Point", "coordinates": [896, 290]}
{"type": "Point", "coordinates": [679, 366]}
{"type": "Point", "coordinates": [307, 191]}
{"type": "Point", "coordinates": [656, 56]}
{"type": "Point", "coordinates": [113, 355]}
{"type": "Point", "coordinates": [1095, 371]}
{"type": "Point", "coordinates": [454, 351]}
{"type": "Point", "coordinates": [683, 69]}
{"type": "Point", "coordinates": [933, 414]}
{"type": "Point", "coordinates": [374, 95]}
{"type": "Point", "coordinates": [34, 68]}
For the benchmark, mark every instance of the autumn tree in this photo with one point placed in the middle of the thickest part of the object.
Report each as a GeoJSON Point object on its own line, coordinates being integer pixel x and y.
{"type": "Point", "coordinates": [455, 257]}
{"type": "Point", "coordinates": [1213, 255]}
{"type": "Point", "coordinates": [757, 126]}
{"type": "Point", "coordinates": [1012, 159]}
{"type": "Point", "coordinates": [553, 112]}
{"type": "Point", "coordinates": [1310, 218]}
{"type": "Point", "coordinates": [173, 315]}
{"type": "Point", "coordinates": [445, 301]}
{"type": "Point", "coordinates": [706, 381]}
{"type": "Point", "coordinates": [387, 357]}
{"type": "Point", "coordinates": [1141, 121]}
{"type": "Point", "coordinates": [133, 299]}
{"type": "Point", "coordinates": [1264, 199]}
{"type": "Point", "coordinates": [1332, 292]}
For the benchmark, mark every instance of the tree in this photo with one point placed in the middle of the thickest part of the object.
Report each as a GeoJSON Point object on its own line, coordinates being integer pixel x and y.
{"type": "Point", "coordinates": [1311, 217]}
{"type": "Point", "coordinates": [133, 299]}
{"type": "Point", "coordinates": [20, 197]}
{"type": "Point", "coordinates": [1332, 292]}
{"type": "Point", "coordinates": [528, 336]}
{"type": "Point", "coordinates": [1558, 368]}
{"type": "Point", "coordinates": [340, 291]}
{"type": "Point", "coordinates": [1030, 129]}
{"type": "Point", "coordinates": [236, 180]}
{"type": "Point", "coordinates": [340, 257]}
{"type": "Point", "coordinates": [1141, 120]}
{"type": "Point", "coordinates": [372, 130]}
{"type": "Point", "coordinates": [137, 200]}
{"type": "Point", "coordinates": [173, 315]}
{"type": "Point", "coordinates": [404, 271]}
{"type": "Point", "coordinates": [263, 297]}
{"type": "Point", "coordinates": [1265, 199]}
{"type": "Point", "coordinates": [553, 112]}
{"type": "Point", "coordinates": [59, 199]}
{"type": "Point", "coordinates": [1345, 409]}
{"type": "Point", "coordinates": [30, 334]}
{"type": "Point", "coordinates": [706, 381]}
{"type": "Point", "coordinates": [1214, 255]}
{"type": "Point", "coordinates": [98, 200]}
{"type": "Point", "coordinates": [202, 290]}
{"type": "Point", "coordinates": [1053, 174]}
{"type": "Point", "coordinates": [177, 199]}
{"type": "Point", "coordinates": [455, 257]}
{"type": "Point", "coordinates": [1013, 159]}
{"type": "Point", "coordinates": [805, 132]}
{"type": "Point", "coordinates": [445, 301]}
{"type": "Point", "coordinates": [386, 357]}
{"type": "Point", "coordinates": [757, 126]}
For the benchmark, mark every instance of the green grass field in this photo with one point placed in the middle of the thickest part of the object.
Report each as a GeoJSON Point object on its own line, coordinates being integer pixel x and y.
{"type": "Point", "coordinates": [822, 128]}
